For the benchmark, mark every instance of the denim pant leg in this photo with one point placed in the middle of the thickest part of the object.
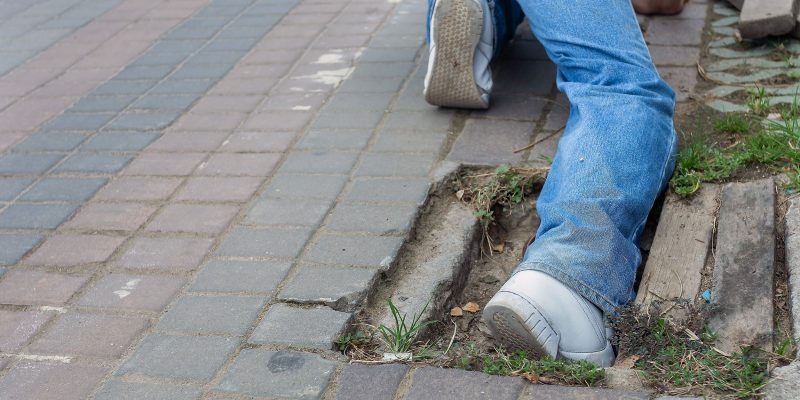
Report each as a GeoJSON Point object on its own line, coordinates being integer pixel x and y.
{"type": "Point", "coordinates": [616, 153]}
{"type": "Point", "coordinates": [507, 16]}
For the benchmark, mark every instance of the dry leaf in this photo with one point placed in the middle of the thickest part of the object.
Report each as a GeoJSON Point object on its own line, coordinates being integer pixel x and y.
{"type": "Point", "coordinates": [472, 307]}
{"type": "Point", "coordinates": [460, 194]}
{"type": "Point", "coordinates": [531, 377]}
{"type": "Point", "coordinates": [500, 247]}
{"type": "Point", "coordinates": [627, 362]}
{"type": "Point", "coordinates": [456, 312]}
{"type": "Point", "coordinates": [546, 380]}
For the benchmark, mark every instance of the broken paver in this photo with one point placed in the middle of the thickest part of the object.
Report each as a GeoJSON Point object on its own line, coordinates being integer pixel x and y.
{"type": "Point", "coordinates": [762, 18]}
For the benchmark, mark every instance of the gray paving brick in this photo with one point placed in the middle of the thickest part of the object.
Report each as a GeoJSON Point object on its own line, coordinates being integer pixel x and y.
{"type": "Point", "coordinates": [64, 189]}
{"type": "Point", "coordinates": [13, 247]}
{"type": "Point", "coordinates": [360, 101]}
{"type": "Point", "coordinates": [27, 163]}
{"type": "Point", "coordinates": [36, 380]}
{"type": "Point", "coordinates": [214, 21]}
{"type": "Point", "coordinates": [222, 44]}
{"type": "Point", "coordinates": [12, 187]}
{"type": "Point", "coordinates": [487, 142]}
{"type": "Point", "coordinates": [390, 190]}
{"type": "Point", "coordinates": [395, 165]}
{"type": "Point", "coordinates": [423, 142]}
{"type": "Point", "coordinates": [382, 70]}
{"type": "Point", "coordinates": [228, 58]}
{"type": "Point", "coordinates": [165, 102]}
{"type": "Point", "coordinates": [160, 58]}
{"type": "Point", "coordinates": [304, 327]}
{"type": "Point", "coordinates": [269, 242]}
{"type": "Point", "coordinates": [183, 86]}
{"type": "Point", "coordinates": [536, 392]}
{"type": "Point", "coordinates": [27, 287]}
{"type": "Point", "coordinates": [78, 122]}
{"type": "Point", "coordinates": [132, 292]}
{"type": "Point", "coordinates": [109, 103]}
{"type": "Point", "coordinates": [211, 315]}
{"type": "Point", "coordinates": [282, 374]}
{"type": "Point", "coordinates": [143, 72]}
{"type": "Point", "coordinates": [115, 87]}
{"type": "Point", "coordinates": [305, 186]}
{"type": "Point", "coordinates": [336, 287]}
{"type": "Point", "coordinates": [179, 357]}
{"type": "Point", "coordinates": [51, 141]}
{"type": "Point", "coordinates": [446, 384]}
{"type": "Point", "coordinates": [118, 390]}
{"type": "Point", "coordinates": [190, 71]}
{"type": "Point", "coordinates": [144, 121]}
{"type": "Point", "coordinates": [526, 77]}
{"type": "Point", "coordinates": [17, 327]}
{"type": "Point", "coordinates": [121, 141]}
{"type": "Point", "coordinates": [288, 212]}
{"type": "Point", "coordinates": [355, 250]}
{"type": "Point", "coordinates": [370, 382]}
{"type": "Point", "coordinates": [426, 121]}
{"type": "Point", "coordinates": [348, 119]}
{"type": "Point", "coordinates": [260, 277]}
{"type": "Point", "coordinates": [522, 107]}
{"type": "Point", "coordinates": [192, 32]}
{"type": "Point", "coordinates": [235, 32]}
{"type": "Point", "coordinates": [94, 163]}
{"type": "Point", "coordinates": [349, 217]}
{"type": "Point", "coordinates": [372, 85]}
{"type": "Point", "coordinates": [335, 139]}
{"type": "Point", "coordinates": [319, 162]}
{"type": "Point", "coordinates": [183, 47]}
{"type": "Point", "coordinates": [395, 54]}
{"type": "Point", "coordinates": [36, 216]}
{"type": "Point", "coordinates": [90, 335]}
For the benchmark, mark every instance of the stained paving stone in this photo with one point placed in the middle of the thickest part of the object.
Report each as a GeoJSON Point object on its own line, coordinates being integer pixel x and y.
{"type": "Point", "coordinates": [211, 315]}
{"type": "Point", "coordinates": [282, 374]}
{"type": "Point", "coordinates": [119, 390]}
{"type": "Point", "coordinates": [370, 382]}
{"type": "Point", "coordinates": [335, 287]}
{"type": "Point", "coordinates": [288, 212]}
{"type": "Point", "coordinates": [165, 253]}
{"type": "Point", "coordinates": [264, 242]}
{"type": "Point", "coordinates": [40, 381]}
{"type": "Point", "coordinates": [437, 383]}
{"type": "Point", "coordinates": [304, 327]}
{"type": "Point", "coordinates": [13, 247]}
{"type": "Point", "coordinates": [295, 186]}
{"type": "Point", "coordinates": [59, 250]}
{"type": "Point", "coordinates": [201, 218]}
{"type": "Point", "coordinates": [64, 189]}
{"type": "Point", "coordinates": [89, 335]}
{"type": "Point", "coordinates": [537, 392]}
{"type": "Point", "coordinates": [139, 188]}
{"type": "Point", "coordinates": [349, 217]}
{"type": "Point", "coordinates": [94, 163]}
{"type": "Point", "coordinates": [132, 292]}
{"type": "Point", "coordinates": [13, 163]}
{"type": "Point", "coordinates": [390, 190]}
{"type": "Point", "coordinates": [257, 277]}
{"type": "Point", "coordinates": [39, 288]}
{"type": "Point", "coordinates": [488, 142]}
{"type": "Point", "coordinates": [179, 357]}
{"type": "Point", "coordinates": [111, 216]}
{"type": "Point", "coordinates": [355, 250]}
{"type": "Point", "coordinates": [319, 163]}
{"type": "Point", "coordinates": [17, 327]}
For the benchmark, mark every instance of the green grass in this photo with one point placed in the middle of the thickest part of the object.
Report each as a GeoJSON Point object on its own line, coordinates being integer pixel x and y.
{"type": "Point", "coordinates": [403, 334]}
{"type": "Point", "coordinates": [732, 123]}
{"type": "Point", "coordinates": [546, 369]}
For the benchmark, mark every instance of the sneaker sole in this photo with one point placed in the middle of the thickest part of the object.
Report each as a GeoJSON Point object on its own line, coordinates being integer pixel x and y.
{"type": "Point", "coordinates": [520, 326]}
{"type": "Point", "coordinates": [458, 31]}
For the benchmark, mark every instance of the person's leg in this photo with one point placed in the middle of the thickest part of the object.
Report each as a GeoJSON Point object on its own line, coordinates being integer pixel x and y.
{"type": "Point", "coordinates": [614, 158]}
{"type": "Point", "coordinates": [658, 7]}
{"type": "Point", "coordinates": [464, 36]}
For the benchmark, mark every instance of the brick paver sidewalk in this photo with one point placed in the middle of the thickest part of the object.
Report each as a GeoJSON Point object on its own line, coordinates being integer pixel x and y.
{"type": "Point", "coordinates": [196, 195]}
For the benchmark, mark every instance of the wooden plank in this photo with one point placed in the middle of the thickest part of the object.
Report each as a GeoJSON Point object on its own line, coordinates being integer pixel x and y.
{"type": "Point", "coordinates": [680, 247]}
{"type": "Point", "coordinates": [744, 265]}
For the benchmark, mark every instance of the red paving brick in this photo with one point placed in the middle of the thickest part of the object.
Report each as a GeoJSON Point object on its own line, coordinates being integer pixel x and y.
{"type": "Point", "coordinates": [39, 288]}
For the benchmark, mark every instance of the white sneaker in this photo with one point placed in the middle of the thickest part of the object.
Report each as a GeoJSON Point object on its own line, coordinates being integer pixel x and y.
{"type": "Point", "coordinates": [535, 312]}
{"type": "Point", "coordinates": [461, 46]}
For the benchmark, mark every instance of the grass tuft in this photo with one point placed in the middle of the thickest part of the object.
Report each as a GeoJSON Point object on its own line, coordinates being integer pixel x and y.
{"type": "Point", "coordinates": [403, 334]}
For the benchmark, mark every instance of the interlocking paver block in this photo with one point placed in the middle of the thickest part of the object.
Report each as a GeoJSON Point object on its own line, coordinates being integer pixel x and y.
{"type": "Point", "coordinates": [288, 212]}
{"type": "Point", "coordinates": [240, 164]}
{"type": "Point", "coordinates": [445, 384]}
{"type": "Point", "coordinates": [13, 247]}
{"type": "Point", "coordinates": [761, 18]}
{"type": "Point", "coordinates": [179, 357]}
{"type": "Point", "coordinates": [165, 253]}
{"type": "Point", "coordinates": [188, 141]}
{"type": "Point", "coordinates": [39, 288]}
{"type": "Point", "coordinates": [200, 218]}
{"type": "Point", "coordinates": [97, 163]}
{"type": "Point", "coordinates": [489, 142]}
{"type": "Point", "coordinates": [183, 86]}
{"type": "Point", "coordinates": [64, 189]}
{"type": "Point", "coordinates": [372, 218]}
{"type": "Point", "coordinates": [17, 327]}
{"type": "Point", "coordinates": [390, 190]}
{"type": "Point", "coordinates": [165, 164]}
{"type": "Point", "coordinates": [68, 250]}
{"type": "Point", "coordinates": [370, 382]}
{"type": "Point", "coordinates": [369, 85]}
{"type": "Point", "coordinates": [111, 216]}
{"type": "Point", "coordinates": [78, 122]}
{"type": "Point", "coordinates": [305, 327]}
{"type": "Point", "coordinates": [258, 142]}
{"type": "Point", "coordinates": [121, 141]}
{"type": "Point", "coordinates": [27, 163]}
{"type": "Point", "coordinates": [305, 186]}
{"type": "Point", "coordinates": [668, 31]}
{"type": "Point", "coordinates": [38, 381]}
{"type": "Point", "coordinates": [319, 162]}
{"type": "Point", "coordinates": [338, 139]}
{"type": "Point", "coordinates": [89, 335]}
{"type": "Point", "coordinates": [536, 392]}
{"type": "Point", "coordinates": [94, 103]}
{"type": "Point", "coordinates": [276, 121]}
{"type": "Point", "coordinates": [333, 286]}
{"type": "Point", "coordinates": [427, 121]}
{"type": "Point", "coordinates": [12, 187]}
{"type": "Point", "coordinates": [132, 292]}
{"type": "Point", "coordinates": [140, 121]}
{"type": "Point", "coordinates": [260, 277]}
{"type": "Point", "coordinates": [355, 250]}
{"type": "Point", "coordinates": [179, 102]}
{"type": "Point", "coordinates": [211, 315]}
{"type": "Point", "coordinates": [395, 165]}
{"type": "Point", "coordinates": [139, 188]}
{"type": "Point", "coordinates": [118, 390]}
{"type": "Point", "coordinates": [523, 107]}
{"type": "Point", "coordinates": [264, 242]}
{"type": "Point", "coordinates": [360, 101]}
{"type": "Point", "coordinates": [392, 140]}
{"type": "Point", "coordinates": [348, 120]}
{"type": "Point", "coordinates": [280, 374]}
{"type": "Point", "coordinates": [236, 189]}
{"type": "Point", "coordinates": [51, 141]}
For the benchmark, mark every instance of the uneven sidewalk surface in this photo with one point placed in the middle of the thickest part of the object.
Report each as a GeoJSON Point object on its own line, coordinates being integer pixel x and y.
{"type": "Point", "coordinates": [196, 196]}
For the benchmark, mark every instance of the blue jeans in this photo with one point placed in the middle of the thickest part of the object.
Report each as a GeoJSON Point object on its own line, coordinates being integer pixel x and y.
{"type": "Point", "coordinates": [617, 151]}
